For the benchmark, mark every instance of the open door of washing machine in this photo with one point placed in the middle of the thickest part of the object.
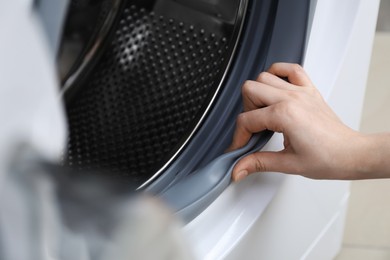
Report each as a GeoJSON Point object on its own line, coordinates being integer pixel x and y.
{"type": "Point", "coordinates": [152, 88]}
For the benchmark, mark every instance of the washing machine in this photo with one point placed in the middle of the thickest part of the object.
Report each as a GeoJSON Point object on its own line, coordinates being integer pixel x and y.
{"type": "Point", "coordinates": [152, 88]}
{"type": "Point", "coordinates": [144, 95]}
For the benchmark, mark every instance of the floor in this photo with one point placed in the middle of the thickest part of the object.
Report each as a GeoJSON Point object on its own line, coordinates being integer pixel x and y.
{"type": "Point", "coordinates": [367, 231]}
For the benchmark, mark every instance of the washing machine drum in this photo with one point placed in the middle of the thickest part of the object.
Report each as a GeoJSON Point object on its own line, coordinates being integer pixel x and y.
{"type": "Point", "coordinates": [152, 88]}
{"type": "Point", "coordinates": [145, 76]}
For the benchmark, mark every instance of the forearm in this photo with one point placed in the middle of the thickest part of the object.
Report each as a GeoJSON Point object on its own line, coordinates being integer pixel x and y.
{"type": "Point", "coordinates": [374, 157]}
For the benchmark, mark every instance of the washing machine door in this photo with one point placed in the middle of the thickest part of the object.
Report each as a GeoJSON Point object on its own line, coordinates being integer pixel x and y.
{"type": "Point", "coordinates": [152, 88]}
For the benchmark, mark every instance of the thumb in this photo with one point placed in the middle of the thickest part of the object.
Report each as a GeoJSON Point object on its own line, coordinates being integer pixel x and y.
{"type": "Point", "coordinates": [261, 162]}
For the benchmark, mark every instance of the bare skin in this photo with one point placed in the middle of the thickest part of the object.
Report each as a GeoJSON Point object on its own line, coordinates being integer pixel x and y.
{"type": "Point", "coordinates": [316, 143]}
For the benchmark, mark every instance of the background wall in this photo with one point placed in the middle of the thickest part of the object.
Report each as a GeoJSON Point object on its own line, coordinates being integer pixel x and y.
{"type": "Point", "coordinates": [384, 16]}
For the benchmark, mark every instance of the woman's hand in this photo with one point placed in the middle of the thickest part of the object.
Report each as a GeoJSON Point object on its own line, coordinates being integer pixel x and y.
{"type": "Point", "coordinates": [316, 143]}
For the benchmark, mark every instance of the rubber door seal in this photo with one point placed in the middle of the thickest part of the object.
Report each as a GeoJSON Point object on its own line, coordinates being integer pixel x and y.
{"type": "Point", "coordinates": [204, 185]}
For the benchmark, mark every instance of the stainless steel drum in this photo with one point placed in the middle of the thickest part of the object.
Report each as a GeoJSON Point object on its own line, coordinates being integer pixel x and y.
{"type": "Point", "coordinates": [139, 77]}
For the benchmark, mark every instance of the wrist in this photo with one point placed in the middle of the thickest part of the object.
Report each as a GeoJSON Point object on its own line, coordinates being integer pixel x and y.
{"type": "Point", "coordinates": [372, 156]}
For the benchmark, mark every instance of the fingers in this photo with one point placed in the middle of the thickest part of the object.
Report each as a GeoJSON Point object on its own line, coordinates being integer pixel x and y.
{"type": "Point", "coordinates": [257, 95]}
{"type": "Point", "coordinates": [262, 92]}
{"type": "Point", "coordinates": [267, 105]}
{"type": "Point", "coordinates": [253, 122]}
{"type": "Point", "coordinates": [262, 162]}
{"type": "Point", "coordinates": [294, 72]}
{"type": "Point", "coordinates": [275, 81]}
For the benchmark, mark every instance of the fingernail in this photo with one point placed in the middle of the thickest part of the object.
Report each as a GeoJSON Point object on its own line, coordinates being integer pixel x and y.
{"type": "Point", "coordinates": [241, 175]}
